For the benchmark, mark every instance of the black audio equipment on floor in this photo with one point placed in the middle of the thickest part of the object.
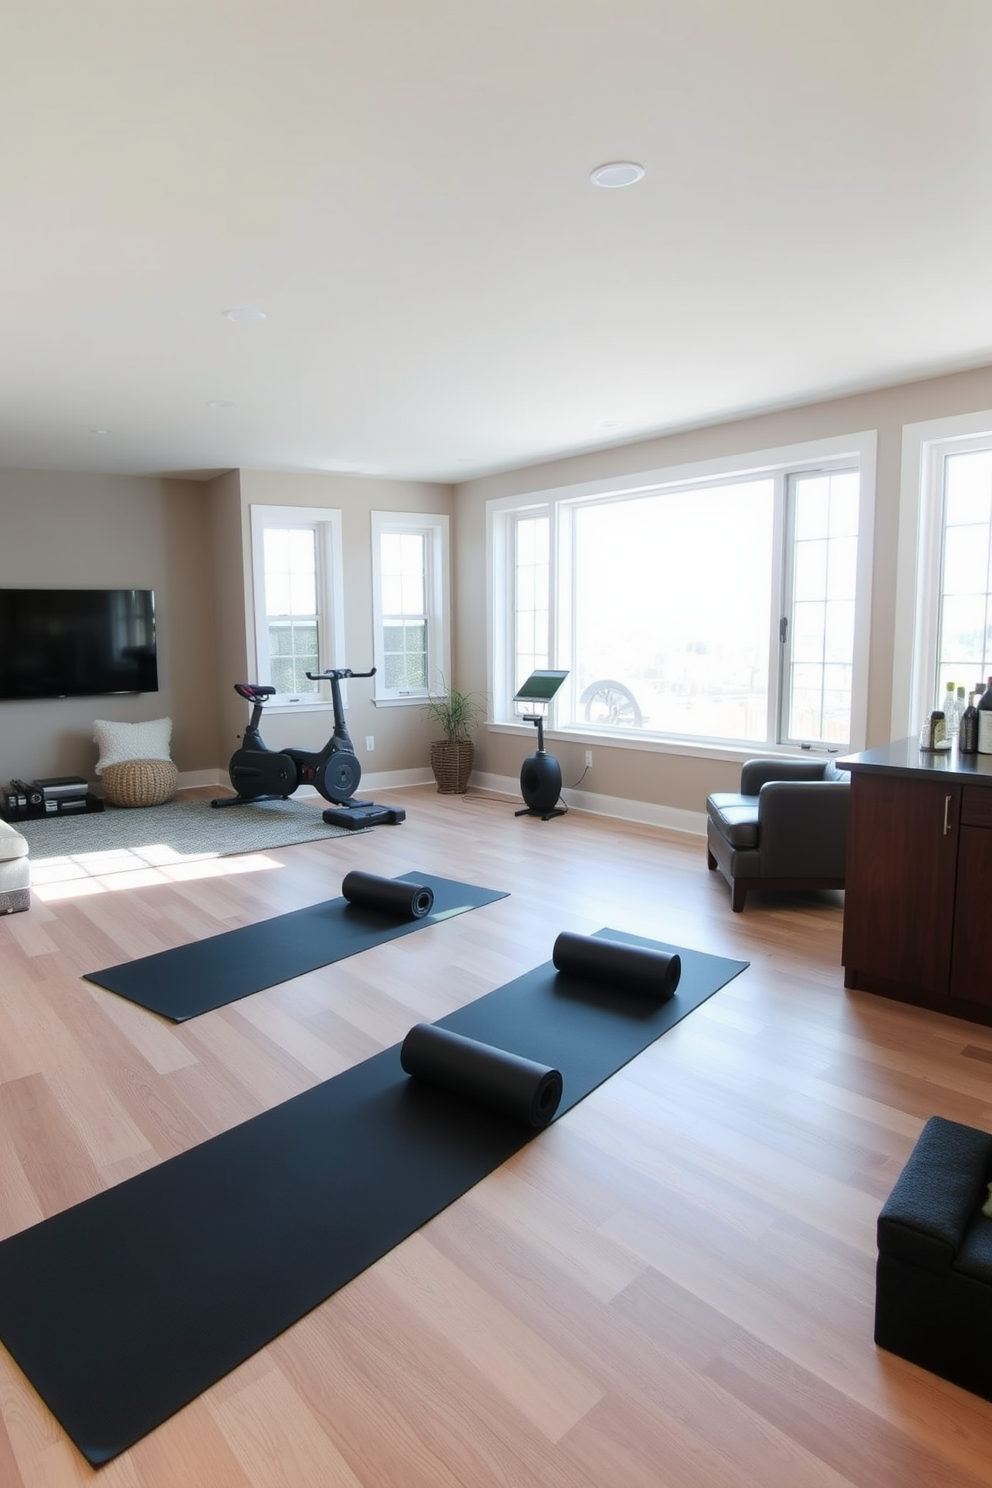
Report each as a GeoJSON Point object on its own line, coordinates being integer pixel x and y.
{"type": "Point", "coordinates": [259, 773]}
{"type": "Point", "coordinates": [192, 979]}
{"type": "Point", "coordinates": [64, 795]}
{"type": "Point", "coordinates": [540, 774]}
{"type": "Point", "coordinates": [127, 1306]}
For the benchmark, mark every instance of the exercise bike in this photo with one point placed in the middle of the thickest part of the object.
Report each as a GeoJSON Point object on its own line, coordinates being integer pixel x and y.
{"type": "Point", "coordinates": [259, 773]}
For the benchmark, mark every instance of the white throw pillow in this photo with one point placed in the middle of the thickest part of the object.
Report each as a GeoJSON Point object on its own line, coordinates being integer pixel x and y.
{"type": "Point", "coordinates": [129, 741]}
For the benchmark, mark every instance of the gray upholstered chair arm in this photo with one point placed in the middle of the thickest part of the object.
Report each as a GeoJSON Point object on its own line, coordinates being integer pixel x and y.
{"type": "Point", "coordinates": [757, 772]}
{"type": "Point", "coordinates": [802, 828]}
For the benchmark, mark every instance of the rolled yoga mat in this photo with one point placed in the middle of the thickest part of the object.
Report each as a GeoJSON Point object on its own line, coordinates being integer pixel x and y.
{"type": "Point", "coordinates": [631, 968]}
{"type": "Point", "coordinates": [127, 1306]}
{"type": "Point", "coordinates": [392, 896]}
{"type": "Point", "coordinates": [207, 974]}
{"type": "Point", "coordinates": [519, 1088]}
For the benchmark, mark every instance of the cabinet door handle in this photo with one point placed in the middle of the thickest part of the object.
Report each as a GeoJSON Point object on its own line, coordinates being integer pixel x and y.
{"type": "Point", "coordinates": [947, 815]}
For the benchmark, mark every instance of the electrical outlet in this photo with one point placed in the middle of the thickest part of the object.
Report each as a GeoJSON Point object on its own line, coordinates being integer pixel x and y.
{"type": "Point", "coordinates": [588, 759]}
{"type": "Point", "coordinates": [370, 742]}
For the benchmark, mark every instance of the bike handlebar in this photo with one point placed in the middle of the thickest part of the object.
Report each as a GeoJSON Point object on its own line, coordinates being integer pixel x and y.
{"type": "Point", "coordinates": [340, 673]}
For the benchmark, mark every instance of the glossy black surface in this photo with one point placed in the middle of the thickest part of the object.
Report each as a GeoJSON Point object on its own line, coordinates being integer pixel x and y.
{"type": "Point", "coordinates": [905, 757]}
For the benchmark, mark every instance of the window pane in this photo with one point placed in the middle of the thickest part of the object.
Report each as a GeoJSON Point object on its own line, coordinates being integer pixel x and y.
{"type": "Point", "coordinates": [968, 487]}
{"type": "Point", "coordinates": [530, 596]}
{"type": "Point", "coordinates": [820, 637]}
{"type": "Point", "coordinates": [812, 507]}
{"type": "Point", "coordinates": [666, 636]}
{"type": "Point", "coordinates": [290, 571]}
{"type": "Point", "coordinates": [811, 569]}
{"type": "Point", "coordinates": [293, 653]}
{"type": "Point", "coordinates": [405, 653]}
{"type": "Point", "coordinates": [964, 644]}
{"type": "Point", "coordinates": [289, 556]}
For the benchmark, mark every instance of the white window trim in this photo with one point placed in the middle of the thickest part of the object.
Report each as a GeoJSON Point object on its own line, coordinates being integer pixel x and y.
{"type": "Point", "coordinates": [860, 447]}
{"type": "Point", "coordinates": [326, 523]}
{"type": "Point", "coordinates": [914, 651]}
{"type": "Point", "coordinates": [435, 527]}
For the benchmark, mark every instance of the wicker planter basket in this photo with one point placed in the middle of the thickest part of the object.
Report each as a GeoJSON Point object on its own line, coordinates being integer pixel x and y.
{"type": "Point", "coordinates": [451, 761]}
{"type": "Point", "coordinates": [142, 782]}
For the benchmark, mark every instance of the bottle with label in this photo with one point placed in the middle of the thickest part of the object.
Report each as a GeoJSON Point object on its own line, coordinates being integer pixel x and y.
{"type": "Point", "coordinates": [951, 718]}
{"type": "Point", "coordinates": [936, 740]}
{"type": "Point", "coordinates": [968, 732]}
{"type": "Point", "coordinates": [985, 720]}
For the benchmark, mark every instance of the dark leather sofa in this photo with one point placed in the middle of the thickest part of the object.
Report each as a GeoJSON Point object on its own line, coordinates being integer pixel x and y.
{"type": "Point", "coordinates": [785, 829]}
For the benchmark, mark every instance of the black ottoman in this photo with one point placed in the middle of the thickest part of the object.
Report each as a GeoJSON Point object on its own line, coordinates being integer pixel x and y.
{"type": "Point", "coordinates": [933, 1289]}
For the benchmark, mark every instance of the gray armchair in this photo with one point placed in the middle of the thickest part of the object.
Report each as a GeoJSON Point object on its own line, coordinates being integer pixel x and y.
{"type": "Point", "coordinates": [785, 829]}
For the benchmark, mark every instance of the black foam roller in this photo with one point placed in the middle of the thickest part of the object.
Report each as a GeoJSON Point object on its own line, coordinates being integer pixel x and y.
{"type": "Point", "coordinates": [392, 896]}
{"type": "Point", "coordinates": [492, 1077]}
{"type": "Point", "coordinates": [631, 968]}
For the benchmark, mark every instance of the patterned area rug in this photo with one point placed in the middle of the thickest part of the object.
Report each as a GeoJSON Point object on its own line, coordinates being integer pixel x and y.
{"type": "Point", "coordinates": [118, 839]}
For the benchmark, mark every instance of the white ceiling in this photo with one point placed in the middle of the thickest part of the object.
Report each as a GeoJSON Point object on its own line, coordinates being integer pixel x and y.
{"type": "Point", "coordinates": [402, 186]}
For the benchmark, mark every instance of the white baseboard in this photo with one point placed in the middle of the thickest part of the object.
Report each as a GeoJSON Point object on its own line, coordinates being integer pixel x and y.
{"type": "Point", "coordinates": [189, 778]}
{"type": "Point", "coordinates": [691, 822]}
{"type": "Point", "coordinates": [674, 820]}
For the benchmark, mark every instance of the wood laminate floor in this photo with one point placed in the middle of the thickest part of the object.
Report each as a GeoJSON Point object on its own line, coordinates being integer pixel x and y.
{"type": "Point", "coordinates": [673, 1285]}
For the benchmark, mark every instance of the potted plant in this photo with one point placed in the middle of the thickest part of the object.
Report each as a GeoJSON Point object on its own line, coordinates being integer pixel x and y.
{"type": "Point", "coordinates": [456, 713]}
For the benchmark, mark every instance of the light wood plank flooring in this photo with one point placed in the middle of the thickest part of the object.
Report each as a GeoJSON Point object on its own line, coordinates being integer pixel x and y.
{"type": "Point", "coordinates": [673, 1285]}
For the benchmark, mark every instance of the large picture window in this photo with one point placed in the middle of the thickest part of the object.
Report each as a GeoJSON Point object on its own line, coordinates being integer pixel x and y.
{"type": "Point", "coordinates": [719, 608]}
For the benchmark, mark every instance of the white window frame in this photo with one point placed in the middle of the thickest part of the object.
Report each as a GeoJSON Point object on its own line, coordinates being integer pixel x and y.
{"type": "Point", "coordinates": [325, 523]}
{"type": "Point", "coordinates": [434, 528]}
{"type": "Point", "coordinates": [857, 448]}
{"type": "Point", "coordinates": [921, 510]}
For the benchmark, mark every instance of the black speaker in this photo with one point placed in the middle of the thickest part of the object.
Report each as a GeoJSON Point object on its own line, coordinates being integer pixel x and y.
{"type": "Point", "coordinates": [540, 782]}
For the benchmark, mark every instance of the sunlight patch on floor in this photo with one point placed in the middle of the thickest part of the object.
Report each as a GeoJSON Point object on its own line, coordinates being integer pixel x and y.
{"type": "Point", "coordinates": [55, 879]}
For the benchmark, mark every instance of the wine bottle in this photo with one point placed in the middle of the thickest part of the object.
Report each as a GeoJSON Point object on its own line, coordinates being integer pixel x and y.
{"type": "Point", "coordinates": [985, 720]}
{"type": "Point", "coordinates": [968, 732]}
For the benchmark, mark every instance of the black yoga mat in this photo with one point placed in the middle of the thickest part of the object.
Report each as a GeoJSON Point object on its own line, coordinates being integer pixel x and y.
{"type": "Point", "coordinates": [207, 974]}
{"type": "Point", "coordinates": [125, 1307]}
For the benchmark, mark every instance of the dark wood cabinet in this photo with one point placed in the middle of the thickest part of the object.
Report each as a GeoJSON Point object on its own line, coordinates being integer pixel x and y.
{"type": "Point", "coordinates": [919, 874]}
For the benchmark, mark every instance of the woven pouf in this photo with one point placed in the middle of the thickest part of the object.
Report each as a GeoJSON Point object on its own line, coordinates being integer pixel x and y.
{"type": "Point", "coordinates": [140, 782]}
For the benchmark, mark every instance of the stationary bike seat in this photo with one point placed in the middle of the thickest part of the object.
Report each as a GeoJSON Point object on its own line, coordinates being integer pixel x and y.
{"type": "Point", "coordinates": [252, 692]}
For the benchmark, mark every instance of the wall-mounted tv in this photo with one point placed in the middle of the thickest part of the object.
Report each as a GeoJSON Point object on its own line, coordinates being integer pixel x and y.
{"type": "Point", "coordinates": [59, 643]}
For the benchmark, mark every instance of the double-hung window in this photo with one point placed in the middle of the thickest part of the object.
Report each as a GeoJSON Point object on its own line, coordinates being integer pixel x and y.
{"type": "Point", "coordinates": [298, 610]}
{"type": "Point", "coordinates": [410, 589]}
{"type": "Point", "coordinates": [725, 606]}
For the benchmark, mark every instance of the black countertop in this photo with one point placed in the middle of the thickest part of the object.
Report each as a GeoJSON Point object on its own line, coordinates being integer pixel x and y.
{"type": "Point", "coordinates": [905, 757]}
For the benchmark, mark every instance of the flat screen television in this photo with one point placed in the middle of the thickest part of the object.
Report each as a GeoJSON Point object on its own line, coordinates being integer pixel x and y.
{"type": "Point", "coordinates": [60, 643]}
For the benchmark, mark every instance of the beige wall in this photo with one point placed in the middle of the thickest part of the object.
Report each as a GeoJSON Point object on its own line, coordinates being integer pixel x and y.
{"type": "Point", "coordinates": [682, 781]}
{"type": "Point", "coordinates": [190, 541]}
{"type": "Point", "coordinates": [91, 531]}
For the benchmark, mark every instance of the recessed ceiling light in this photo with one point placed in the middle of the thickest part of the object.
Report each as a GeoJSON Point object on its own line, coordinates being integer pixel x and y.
{"type": "Point", "coordinates": [617, 173]}
{"type": "Point", "coordinates": [219, 403]}
{"type": "Point", "coordinates": [244, 316]}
